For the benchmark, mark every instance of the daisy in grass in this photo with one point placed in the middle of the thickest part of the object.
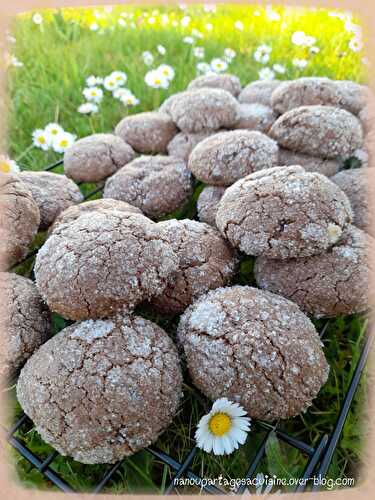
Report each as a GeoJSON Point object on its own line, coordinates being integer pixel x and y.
{"type": "Point", "coordinates": [8, 166]}
{"type": "Point", "coordinates": [218, 65]}
{"type": "Point", "coordinates": [62, 141]}
{"type": "Point", "coordinates": [229, 54]}
{"type": "Point", "coordinates": [223, 429]}
{"type": "Point", "coordinates": [188, 39]}
{"type": "Point", "coordinates": [198, 52]}
{"type": "Point", "coordinates": [42, 139]}
{"type": "Point", "coordinates": [162, 50]}
{"type": "Point", "coordinates": [156, 80]}
{"type": "Point", "coordinates": [279, 68]}
{"type": "Point", "coordinates": [54, 129]}
{"type": "Point", "coordinates": [110, 83]}
{"type": "Point", "coordinates": [204, 68]}
{"type": "Point", "coordinates": [119, 77]}
{"type": "Point", "coordinates": [94, 94]}
{"type": "Point", "coordinates": [129, 100]}
{"type": "Point", "coordinates": [87, 108]}
{"type": "Point", "coordinates": [37, 18]}
{"type": "Point", "coordinates": [266, 74]}
{"type": "Point", "coordinates": [262, 53]}
{"type": "Point", "coordinates": [94, 81]}
{"type": "Point", "coordinates": [166, 71]}
{"type": "Point", "coordinates": [147, 57]}
{"type": "Point", "coordinates": [299, 63]}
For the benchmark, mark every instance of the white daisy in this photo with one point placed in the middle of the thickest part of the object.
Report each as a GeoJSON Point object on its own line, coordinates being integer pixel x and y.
{"type": "Point", "coordinates": [203, 67]}
{"type": "Point", "coordinates": [119, 77]}
{"type": "Point", "coordinates": [37, 18]}
{"type": "Point", "coordinates": [129, 100]}
{"type": "Point", "coordinates": [218, 65]}
{"type": "Point", "coordinates": [42, 139]}
{"type": "Point", "coordinates": [121, 22]}
{"type": "Point", "coordinates": [93, 81]}
{"type": "Point", "coordinates": [166, 71]}
{"type": "Point", "coordinates": [279, 68]}
{"type": "Point", "coordinates": [229, 54]}
{"type": "Point", "coordinates": [223, 428]}
{"type": "Point", "coordinates": [266, 74]}
{"type": "Point", "coordinates": [94, 27]}
{"type": "Point", "coordinates": [209, 26]}
{"type": "Point", "coordinates": [262, 53]}
{"type": "Point", "coordinates": [110, 83]}
{"type": "Point", "coordinates": [8, 166]}
{"type": "Point", "coordinates": [198, 52]}
{"type": "Point", "coordinates": [53, 129]}
{"type": "Point", "coordinates": [120, 92]}
{"type": "Point", "coordinates": [162, 50]}
{"type": "Point", "coordinates": [62, 141]}
{"type": "Point", "coordinates": [300, 63]}
{"type": "Point", "coordinates": [271, 14]}
{"type": "Point", "coordinates": [185, 21]}
{"type": "Point", "coordinates": [314, 50]}
{"type": "Point", "coordinates": [148, 58]}
{"type": "Point", "coordinates": [94, 94]}
{"type": "Point", "coordinates": [356, 44]}
{"type": "Point", "coordinates": [238, 25]}
{"type": "Point", "coordinates": [299, 38]}
{"type": "Point", "coordinates": [196, 33]}
{"type": "Point", "coordinates": [188, 39]}
{"type": "Point", "coordinates": [151, 20]}
{"type": "Point", "coordinates": [87, 108]}
{"type": "Point", "coordinates": [156, 80]}
{"type": "Point", "coordinates": [15, 62]}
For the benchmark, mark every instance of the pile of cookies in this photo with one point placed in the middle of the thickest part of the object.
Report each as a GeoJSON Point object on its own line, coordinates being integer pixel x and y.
{"type": "Point", "coordinates": [268, 162]}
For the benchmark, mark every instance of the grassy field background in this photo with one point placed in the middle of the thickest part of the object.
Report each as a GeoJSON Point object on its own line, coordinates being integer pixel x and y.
{"type": "Point", "coordinates": [57, 56]}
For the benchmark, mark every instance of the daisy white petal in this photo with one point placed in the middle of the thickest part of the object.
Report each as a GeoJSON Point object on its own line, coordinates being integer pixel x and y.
{"type": "Point", "coordinates": [167, 71]}
{"type": "Point", "coordinates": [8, 166]}
{"type": "Point", "coordinates": [42, 139]}
{"type": "Point", "coordinates": [87, 108]}
{"type": "Point", "coordinates": [218, 447]}
{"type": "Point", "coordinates": [94, 94]}
{"type": "Point", "coordinates": [61, 142]}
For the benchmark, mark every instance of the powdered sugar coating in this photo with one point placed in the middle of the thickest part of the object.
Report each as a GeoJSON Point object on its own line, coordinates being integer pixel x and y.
{"type": "Point", "coordinates": [102, 390]}
{"type": "Point", "coordinates": [355, 184]}
{"type": "Point", "coordinates": [330, 284]}
{"type": "Point", "coordinates": [283, 212]}
{"type": "Point", "coordinates": [208, 202]}
{"type": "Point", "coordinates": [203, 109]}
{"type": "Point", "coordinates": [183, 144]}
{"type": "Point", "coordinates": [103, 263]}
{"type": "Point", "coordinates": [354, 95]}
{"type": "Point", "coordinates": [259, 92]}
{"type": "Point", "coordinates": [308, 162]}
{"type": "Point", "coordinates": [19, 220]}
{"type": "Point", "coordinates": [53, 193]}
{"type": "Point", "coordinates": [224, 81]}
{"type": "Point", "coordinates": [223, 158]}
{"type": "Point", "coordinates": [255, 348]}
{"type": "Point", "coordinates": [148, 132]}
{"type": "Point", "coordinates": [24, 322]}
{"type": "Point", "coordinates": [157, 185]}
{"type": "Point", "coordinates": [207, 261]}
{"type": "Point", "coordinates": [256, 117]}
{"type": "Point", "coordinates": [96, 157]}
{"type": "Point", "coordinates": [321, 131]}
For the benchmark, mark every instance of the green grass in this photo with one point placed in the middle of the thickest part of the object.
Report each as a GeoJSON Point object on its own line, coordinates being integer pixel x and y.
{"type": "Point", "coordinates": [57, 58]}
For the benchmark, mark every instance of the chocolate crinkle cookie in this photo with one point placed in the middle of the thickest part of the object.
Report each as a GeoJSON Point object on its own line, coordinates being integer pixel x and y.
{"type": "Point", "coordinates": [223, 158]}
{"type": "Point", "coordinates": [203, 109]}
{"type": "Point", "coordinates": [148, 133]}
{"type": "Point", "coordinates": [309, 163]}
{"type": "Point", "coordinates": [311, 91]}
{"type": "Point", "coordinates": [225, 81]}
{"type": "Point", "coordinates": [283, 212]}
{"type": "Point", "coordinates": [103, 263]}
{"type": "Point", "coordinates": [19, 220]}
{"type": "Point", "coordinates": [354, 95]}
{"type": "Point", "coordinates": [356, 185]}
{"type": "Point", "coordinates": [24, 322]}
{"type": "Point", "coordinates": [207, 261]}
{"type": "Point", "coordinates": [256, 117]}
{"type": "Point", "coordinates": [72, 213]}
{"type": "Point", "coordinates": [96, 157]}
{"type": "Point", "coordinates": [53, 193]}
{"type": "Point", "coordinates": [102, 390]}
{"type": "Point", "coordinates": [255, 348]}
{"type": "Point", "coordinates": [322, 131]}
{"type": "Point", "coordinates": [208, 202]}
{"type": "Point", "coordinates": [259, 92]}
{"type": "Point", "coordinates": [158, 185]}
{"type": "Point", "coordinates": [183, 144]}
{"type": "Point", "coordinates": [329, 284]}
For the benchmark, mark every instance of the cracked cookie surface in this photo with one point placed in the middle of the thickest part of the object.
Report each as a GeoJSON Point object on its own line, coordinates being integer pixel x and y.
{"type": "Point", "coordinates": [256, 117]}
{"type": "Point", "coordinates": [183, 144]}
{"type": "Point", "coordinates": [96, 157]}
{"type": "Point", "coordinates": [331, 284]}
{"type": "Point", "coordinates": [25, 322]}
{"type": "Point", "coordinates": [225, 81]}
{"type": "Point", "coordinates": [255, 348]}
{"type": "Point", "coordinates": [259, 92]}
{"type": "Point", "coordinates": [283, 212]}
{"type": "Point", "coordinates": [309, 163]}
{"type": "Point", "coordinates": [103, 263]}
{"type": "Point", "coordinates": [207, 261]}
{"type": "Point", "coordinates": [101, 390]}
{"type": "Point", "coordinates": [208, 202]}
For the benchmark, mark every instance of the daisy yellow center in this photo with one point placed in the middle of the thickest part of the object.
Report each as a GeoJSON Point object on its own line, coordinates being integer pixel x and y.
{"type": "Point", "coordinates": [118, 78]}
{"type": "Point", "coordinates": [165, 72]}
{"type": "Point", "coordinates": [93, 92]}
{"type": "Point", "coordinates": [42, 140]}
{"type": "Point", "coordinates": [220, 424]}
{"type": "Point", "coordinates": [63, 143]}
{"type": "Point", "coordinates": [4, 167]}
{"type": "Point", "coordinates": [157, 81]}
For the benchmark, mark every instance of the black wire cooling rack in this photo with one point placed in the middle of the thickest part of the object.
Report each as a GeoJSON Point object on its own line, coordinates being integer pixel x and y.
{"type": "Point", "coordinates": [318, 457]}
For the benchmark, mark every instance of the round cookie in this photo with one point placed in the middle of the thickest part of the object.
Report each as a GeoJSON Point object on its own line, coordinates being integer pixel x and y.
{"type": "Point", "coordinates": [96, 157]}
{"type": "Point", "coordinates": [355, 184]}
{"type": "Point", "coordinates": [158, 185]}
{"type": "Point", "coordinates": [53, 193]}
{"type": "Point", "coordinates": [258, 92]}
{"type": "Point", "coordinates": [208, 202]}
{"type": "Point", "coordinates": [321, 131]}
{"type": "Point", "coordinates": [254, 348]}
{"type": "Point", "coordinates": [102, 390]}
{"type": "Point", "coordinates": [309, 91]}
{"type": "Point", "coordinates": [354, 95]}
{"type": "Point", "coordinates": [148, 132]}
{"type": "Point", "coordinates": [330, 284]}
{"type": "Point", "coordinates": [224, 81]}
{"type": "Point", "coordinates": [19, 220]}
{"type": "Point", "coordinates": [183, 144]}
{"type": "Point", "coordinates": [25, 322]}
{"type": "Point", "coordinates": [223, 158]}
{"type": "Point", "coordinates": [203, 109]}
{"type": "Point", "coordinates": [283, 212]}
{"type": "Point", "coordinates": [103, 263]}
{"type": "Point", "coordinates": [206, 262]}
{"type": "Point", "coordinates": [310, 163]}
{"type": "Point", "coordinates": [256, 117]}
